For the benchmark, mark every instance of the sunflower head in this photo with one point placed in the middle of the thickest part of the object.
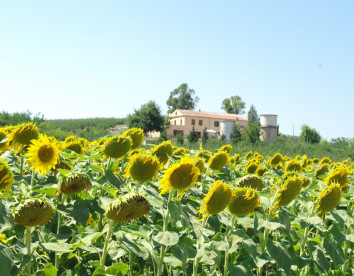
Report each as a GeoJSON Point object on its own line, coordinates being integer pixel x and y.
{"type": "Point", "coordinates": [143, 167]}
{"type": "Point", "coordinates": [33, 212]}
{"type": "Point", "coordinates": [261, 171]}
{"type": "Point", "coordinates": [329, 198]}
{"type": "Point", "coordinates": [129, 207]}
{"type": "Point", "coordinates": [321, 170]}
{"type": "Point", "coordinates": [340, 176]}
{"type": "Point", "coordinates": [22, 135]}
{"type": "Point", "coordinates": [219, 160]}
{"type": "Point", "coordinates": [202, 153]}
{"type": "Point", "coordinates": [325, 160]}
{"type": "Point", "coordinates": [4, 132]}
{"type": "Point", "coordinates": [6, 177]}
{"type": "Point", "coordinates": [248, 155]}
{"type": "Point", "coordinates": [43, 154]}
{"type": "Point", "coordinates": [315, 160]}
{"type": "Point", "coordinates": [237, 158]}
{"type": "Point", "coordinates": [293, 165]}
{"type": "Point", "coordinates": [180, 176]}
{"type": "Point", "coordinates": [73, 183]}
{"type": "Point", "coordinates": [179, 152]}
{"type": "Point", "coordinates": [163, 151]}
{"type": "Point", "coordinates": [243, 201]}
{"type": "Point", "coordinates": [70, 138]}
{"type": "Point", "coordinates": [200, 164]}
{"type": "Point", "coordinates": [276, 161]}
{"type": "Point", "coordinates": [251, 181]}
{"type": "Point", "coordinates": [216, 199]}
{"type": "Point", "coordinates": [74, 145]}
{"type": "Point", "coordinates": [251, 167]}
{"type": "Point", "coordinates": [136, 135]}
{"type": "Point", "coordinates": [117, 146]}
{"type": "Point", "coordinates": [287, 192]}
{"type": "Point", "coordinates": [305, 182]}
{"type": "Point", "coordinates": [226, 148]}
{"type": "Point", "coordinates": [97, 143]}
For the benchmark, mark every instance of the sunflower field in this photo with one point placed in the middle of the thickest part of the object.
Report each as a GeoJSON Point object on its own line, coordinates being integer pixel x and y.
{"type": "Point", "coordinates": [113, 207]}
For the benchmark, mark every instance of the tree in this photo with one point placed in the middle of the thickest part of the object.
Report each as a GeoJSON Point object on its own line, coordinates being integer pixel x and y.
{"type": "Point", "coordinates": [180, 140]}
{"type": "Point", "coordinates": [233, 105]}
{"type": "Point", "coordinates": [204, 136]}
{"type": "Point", "coordinates": [236, 136]}
{"type": "Point", "coordinates": [182, 98]}
{"type": "Point", "coordinates": [193, 136]}
{"type": "Point", "coordinates": [148, 118]}
{"type": "Point", "coordinates": [251, 132]}
{"type": "Point", "coordinates": [309, 135]}
{"type": "Point", "coordinates": [253, 116]}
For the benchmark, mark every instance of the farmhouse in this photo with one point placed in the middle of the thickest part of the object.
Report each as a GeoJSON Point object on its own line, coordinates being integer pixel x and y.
{"type": "Point", "coordinates": [182, 121]}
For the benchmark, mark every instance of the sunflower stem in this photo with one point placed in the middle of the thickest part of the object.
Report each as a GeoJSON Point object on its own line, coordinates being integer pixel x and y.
{"type": "Point", "coordinates": [197, 259]}
{"type": "Point", "coordinates": [32, 178]}
{"type": "Point", "coordinates": [109, 163]}
{"type": "Point", "coordinates": [21, 162]}
{"type": "Point", "coordinates": [29, 253]}
{"type": "Point", "coordinates": [58, 229]}
{"type": "Point", "coordinates": [105, 248]}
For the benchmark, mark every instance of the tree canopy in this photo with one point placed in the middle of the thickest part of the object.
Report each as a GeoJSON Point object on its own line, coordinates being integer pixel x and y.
{"type": "Point", "coordinates": [148, 118]}
{"type": "Point", "coordinates": [253, 116]}
{"type": "Point", "coordinates": [309, 135]}
{"type": "Point", "coordinates": [182, 98]}
{"type": "Point", "coordinates": [233, 105]}
{"type": "Point", "coordinates": [251, 132]}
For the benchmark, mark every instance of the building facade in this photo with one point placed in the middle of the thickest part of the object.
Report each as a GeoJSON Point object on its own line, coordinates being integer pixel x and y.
{"type": "Point", "coordinates": [182, 122]}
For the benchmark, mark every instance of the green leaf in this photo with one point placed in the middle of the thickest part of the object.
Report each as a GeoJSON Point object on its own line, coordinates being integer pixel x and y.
{"type": "Point", "coordinates": [118, 269]}
{"type": "Point", "coordinates": [48, 189]}
{"type": "Point", "coordinates": [271, 225]}
{"type": "Point", "coordinates": [238, 270]}
{"type": "Point", "coordinates": [99, 271]}
{"type": "Point", "coordinates": [50, 270]}
{"type": "Point", "coordinates": [133, 248]}
{"type": "Point", "coordinates": [90, 234]}
{"type": "Point", "coordinates": [166, 238]}
{"type": "Point", "coordinates": [115, 180]}
{"type": "Point", "coordinates": [335, 253]}
{"type": "Point", "coordinates": [68, 272]}
{"type": "Point", "coordinates": [250, 247]}
{"type": "Point", "coordinates": [280, 254]}
{"type": "Point", "coordinates": [6, 260]}
{"type": "Point", "coordinates": [80, 212]}
{"type": "Point", "coordinates": [321, 260]}
{"type": "Point", "coordinates": [56, 246]}
{"type": "Point", "coordinates": [172, 261]}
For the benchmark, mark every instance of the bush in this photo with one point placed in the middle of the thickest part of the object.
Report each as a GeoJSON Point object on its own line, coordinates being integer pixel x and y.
{"type": "Point", "coordinates": [193, 136]}
{"type": "Point", "coordinates": [309, 135]}
{"type": "Point", "coordinates": [180, 139]}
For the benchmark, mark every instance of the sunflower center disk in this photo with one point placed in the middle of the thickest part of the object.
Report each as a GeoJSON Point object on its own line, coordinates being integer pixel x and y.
{"type": "Point", "coordinates": [46, 153]}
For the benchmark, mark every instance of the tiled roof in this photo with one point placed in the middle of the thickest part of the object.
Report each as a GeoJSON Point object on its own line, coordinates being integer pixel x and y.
{"type": "Point", "coordinates": [214, 115]}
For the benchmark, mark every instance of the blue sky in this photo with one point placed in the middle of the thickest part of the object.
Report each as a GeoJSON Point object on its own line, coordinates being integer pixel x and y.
{"type": "Point", "coordinates": [81, 59]}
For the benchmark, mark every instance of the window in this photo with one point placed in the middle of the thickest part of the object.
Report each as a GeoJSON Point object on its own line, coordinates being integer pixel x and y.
{"type": "Point", "coordinates": [193, 122]}
{"type": "Point", "coordinates": [216, 123]}
{"type": "Point", "coordinates": [241, 127]}
{"type": "Point", "coordinates": [200, 122]}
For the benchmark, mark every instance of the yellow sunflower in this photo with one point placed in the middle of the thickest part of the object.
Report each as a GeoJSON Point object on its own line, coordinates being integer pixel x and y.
{"type": "Point", "coordinates": [33, 212]}
{"type": "Point", "coordinates": [137, 136]}
{"type": "Point", "coordinates": [180, 176]}
{"type": "Point", "coordinates": [22, 135]}
{"type": "Point", "coordinates": [261, 171]}
{"type": "Point", "coordinates": [329, 198]}
{"type": "Point", "coordinates": [117, 146]}
{"type": "Point", "coordinates": [202, 153]}
{"type": "Point", "coordinates": [287, 193]}
{"type": "Point", "coordinates": [276, 161]}
{"type": "Point", "coordinates": [163, 151]}
{"type": "Point", "coordinates": [251, 167]}
{"type": "Point", "coordinates": [219, 160]}
{"type": "Point", "coordinates": [251, 181]}
{"type": "Point", "coordinates": [6, 177]}
{"type": "Point", "coordinates": [4, 132]}
{"type": "Point", "coordinates": [293, 165]}
{"type": "Point", "coordinates": [73, 183]}
{"type": "Point", "coordinates": [226, 148]}
{"type": "Point", "coordinates": [142, 167]}
{"type": "Point", "coordinates": [321, 170]}
{"type": "Point", "coordinates": [73, 145]}
{"type": "Point", "coordinates": [216, 199]}
{"type": "Point", "coordinates": [43, 154]}
{"type": "Point", "coordinates": [243, 201]}
{"type": "Point", "coordinates": [340, 176]}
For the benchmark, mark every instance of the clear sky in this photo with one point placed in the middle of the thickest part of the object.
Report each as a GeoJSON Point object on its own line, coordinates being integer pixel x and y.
{"type": "Point", "coordinates": [81, 58]}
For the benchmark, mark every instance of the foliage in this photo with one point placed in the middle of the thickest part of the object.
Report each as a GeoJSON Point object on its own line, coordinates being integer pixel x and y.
{"type": "Point", "coordinates": [223, 138]}
{"type": "Point", "coordinates": [148, 118]}
{"type": "Point", "coordinates": [253, 116]}
{"type": "Point", "coordinates": [179, 139]}
{"type": "Point", "coordinates": [309, 135]}
{"type": "Point", "coordinates": [7, 119]}
{"type": "Point", "coordinates": [193, 136]}
{"type": "Point", "coordinates": [182, 98]}
{"type": "Point", "coordinates": [204, 136]}
{"type": "Point", "coordinates": [233, 105]}
{"type": "Point", "coordinates": [236, 135]}
{"type": "Point", "coordinates": [251, 133]}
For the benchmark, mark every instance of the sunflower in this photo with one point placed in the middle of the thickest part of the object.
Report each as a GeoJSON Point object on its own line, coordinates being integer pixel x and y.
{"type": "Point", "coordinates": [226, 148]}
{"type": "Point", "coordinates": [74, 145]}
{"type": "Point", "coordinates": [200, 164]}
{"type": "Point", "coordinates": [6, 177]}
{"type": "Point", "coordinates": [287, 193]}
{"type": "Point", "coordinates": [237, 158]}
{"type": "Point", "coordinates": [276, 161]}
{"type": "Point", "coordinates": [137, 136]}
{"type": "Point", "coordinates": [243, 201]}
{"type": "Point", "coordinates": [261, 171]}
{"type": "Point", "coordinates": [142, 167]}
{"type": "Point", "coordinates": [43, 154]}
{"type": "Point", "coordinates": [202, 153]}
{"type": "Point", "coordinates": [251, 167]}
{"type": "Point", "coordinates": [180, 176]}
{"type": "Point", "coordinates": [340, 176]}
{"type": "Point", "coordinates": [22, 135]}
{"type": "Point", "coordinates": [73, 183]}
{"type": "Point", "coordinates": [329, 198]}
{"type": "Point", "coordinates": [293, 165]}
{"type": "Point", "coordinates": [129, 207]}
{"type": "Point", "coordinates": [219, 160]}
{"type": "Point", "coordinates": [216, 199]}
{"type": "Point", "coordinates": [33, 212]}
{"type": "Point", "coordinates": [97, 144]}
{"type": "Point", "coordinates": [179, 152]}
{"type": "Point", "coordinates": [248, 155]}
{"type": "Point", "coordinates": [251, 181]}
{"type": "Point", "coordinates": [116, 146]}
{"type": "Point", "coordinates": [4, 132]}
{"type": "Point", "coordinates": [163, 151]}
{"type": "Point", "coordinates": [321, 170]}
{"type": "Point", "coordinates": [305, 182]}
{"type": "Point", "coordinates": [325, 160]}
